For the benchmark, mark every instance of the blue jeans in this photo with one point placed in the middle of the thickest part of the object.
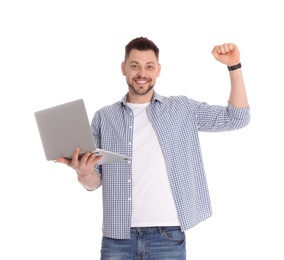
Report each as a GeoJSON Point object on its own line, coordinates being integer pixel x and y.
{"type": "Point", "coordinates": [149, 243]}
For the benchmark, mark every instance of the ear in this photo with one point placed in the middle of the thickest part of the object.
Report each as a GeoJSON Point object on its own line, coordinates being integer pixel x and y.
{"type": "Point", "coordinates": [159, 70]}
{"type": "Point", "coordinates": [123, 68]}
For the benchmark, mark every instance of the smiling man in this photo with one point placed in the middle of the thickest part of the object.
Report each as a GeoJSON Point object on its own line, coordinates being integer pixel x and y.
{"type": "Point", "coordinates": [141, 68]}
{"type": "Point", "coordinates": [150, 201]}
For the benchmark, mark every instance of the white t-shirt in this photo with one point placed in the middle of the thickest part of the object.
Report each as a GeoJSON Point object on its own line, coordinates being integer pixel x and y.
{"type": "Point", "coordinates": [153, 203]}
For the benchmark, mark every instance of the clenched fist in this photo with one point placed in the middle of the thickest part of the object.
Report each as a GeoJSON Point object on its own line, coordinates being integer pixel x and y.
{"type": "Point", "coordinates": [227, 53]}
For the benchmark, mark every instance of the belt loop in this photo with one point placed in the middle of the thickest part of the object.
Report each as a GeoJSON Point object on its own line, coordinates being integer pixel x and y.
{"type": "Point", "coordinates": [161, 230]}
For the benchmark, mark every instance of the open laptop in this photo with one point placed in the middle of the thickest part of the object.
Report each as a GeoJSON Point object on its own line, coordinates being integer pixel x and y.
{"type": "Point", "coordinates": [64, 127]}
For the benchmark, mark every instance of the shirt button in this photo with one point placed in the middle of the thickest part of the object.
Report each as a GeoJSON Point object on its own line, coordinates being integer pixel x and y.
{"type": "Point", "coordinates": [130, 127]}
{"type": "Point", "coordinates": [129, 199]}
{"type": "Point", "coordinates": [129, 181]}
{"type": "Point", "coordinates": [129, 143]}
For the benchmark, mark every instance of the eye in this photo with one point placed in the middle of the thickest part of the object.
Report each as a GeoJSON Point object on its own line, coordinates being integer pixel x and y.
{"type": "Point", "coordinates": [150, 67]}
{"type": "Point", "coordinates": [134, 66]}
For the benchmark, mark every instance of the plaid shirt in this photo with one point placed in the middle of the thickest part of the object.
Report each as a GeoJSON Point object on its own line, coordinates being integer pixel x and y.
{"type": "Point", "coordinates": [176, 121]}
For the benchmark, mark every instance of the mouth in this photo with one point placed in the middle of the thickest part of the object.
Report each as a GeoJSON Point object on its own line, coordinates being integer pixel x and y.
{"type": "Point", "coordinates": [141, 81]}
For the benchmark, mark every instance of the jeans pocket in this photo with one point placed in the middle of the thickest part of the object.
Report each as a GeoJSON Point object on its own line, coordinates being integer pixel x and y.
{"type": "Point", "coordinates": [174, 234]}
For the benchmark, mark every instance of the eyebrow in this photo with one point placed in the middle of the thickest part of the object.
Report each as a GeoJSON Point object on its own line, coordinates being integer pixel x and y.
{"type": "Point", "coordinates": [149, 62]}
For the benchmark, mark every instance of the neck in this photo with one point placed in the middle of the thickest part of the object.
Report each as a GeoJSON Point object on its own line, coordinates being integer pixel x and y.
{"type": "Point", "coordinates": [139, 99]}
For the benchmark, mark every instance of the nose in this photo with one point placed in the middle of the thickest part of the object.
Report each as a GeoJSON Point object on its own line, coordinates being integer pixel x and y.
{"type": "Point", "coordinates": [141, 73]}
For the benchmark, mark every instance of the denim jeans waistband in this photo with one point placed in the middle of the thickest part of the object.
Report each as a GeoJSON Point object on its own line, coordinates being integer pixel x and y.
{"type": "Point", "coordinates": [154, 229]}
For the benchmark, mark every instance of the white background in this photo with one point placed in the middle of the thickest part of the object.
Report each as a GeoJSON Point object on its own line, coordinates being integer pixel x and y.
{"type": "Point", "coordinates": [56, 51]}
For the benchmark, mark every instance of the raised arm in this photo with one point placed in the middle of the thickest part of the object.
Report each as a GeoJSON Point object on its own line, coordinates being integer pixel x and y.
{"type": "Point", "coordinates": [229, 55]}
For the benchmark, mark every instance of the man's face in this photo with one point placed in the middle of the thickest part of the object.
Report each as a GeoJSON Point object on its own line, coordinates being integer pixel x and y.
{"type": "Point", "coordinates": [141, 70]}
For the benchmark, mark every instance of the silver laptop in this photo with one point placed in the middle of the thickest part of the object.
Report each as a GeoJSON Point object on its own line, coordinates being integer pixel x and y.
{"type": "Point", "coordinates": [64, 127]}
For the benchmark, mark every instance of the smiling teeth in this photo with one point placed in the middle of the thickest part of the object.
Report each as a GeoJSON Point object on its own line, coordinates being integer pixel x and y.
{"type": "Point", "coordinates": [141, 82]}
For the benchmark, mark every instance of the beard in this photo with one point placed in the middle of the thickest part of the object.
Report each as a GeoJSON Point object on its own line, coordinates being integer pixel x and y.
{"type": "Point", "coordinates": [139, 91]}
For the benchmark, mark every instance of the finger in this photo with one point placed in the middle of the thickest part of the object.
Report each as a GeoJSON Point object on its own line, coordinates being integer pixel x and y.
{"type": "Point", "coordinates": [232, 46]}
{"type": "Point", "coordinates": [92, 158]}
{"type": "Point", "coordinates": [226, 47]}
{"type": "Point", "coordinates": [222, 49]}
{"type": "Point", "coordinates": [63, 160]}
{"type": "Point", "coordinates": [75, 158]}
{"type": "Point", "coordinates": [76, 153]}
{"type": "Point", "coordinates": [96, 159]}
{"type": "Point", "coordinates": [215, 52]}
{"type": "Point", "coordinates": [84, 159]}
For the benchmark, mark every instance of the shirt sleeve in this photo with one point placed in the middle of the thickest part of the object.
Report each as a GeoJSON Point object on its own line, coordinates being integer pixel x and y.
{"type": "Point", "coordinates": [95, 127]}
{"type": "Point", "coordinates": [215, 118]}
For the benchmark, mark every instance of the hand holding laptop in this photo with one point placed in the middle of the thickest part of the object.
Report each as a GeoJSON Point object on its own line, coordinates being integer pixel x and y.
{"type": "Point", "coordinates": [84, 167]}
{"type": "Point", "coordinates": [66, 126]}
{"type": "Point", "coordinates": [83, 164]}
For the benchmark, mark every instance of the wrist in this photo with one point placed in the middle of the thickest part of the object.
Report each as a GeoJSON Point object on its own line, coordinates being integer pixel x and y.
{"type": "Point", "coordinates": [234, 67]}
{"type": "Point", "coordinates": [90, 181]}
{"type": "Point", "coordinates": [84, 176]}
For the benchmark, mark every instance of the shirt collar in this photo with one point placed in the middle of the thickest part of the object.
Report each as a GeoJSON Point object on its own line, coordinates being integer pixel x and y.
{"type": "Point", "coordinates": [156, 97]}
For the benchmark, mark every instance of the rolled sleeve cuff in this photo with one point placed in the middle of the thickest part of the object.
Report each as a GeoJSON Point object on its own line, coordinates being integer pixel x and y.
{"type": "Point", "coordinates": [239, 113]}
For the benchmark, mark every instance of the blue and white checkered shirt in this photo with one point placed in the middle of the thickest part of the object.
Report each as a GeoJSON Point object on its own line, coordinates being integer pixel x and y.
{"type": "Point", "coordinates": [176, 121]}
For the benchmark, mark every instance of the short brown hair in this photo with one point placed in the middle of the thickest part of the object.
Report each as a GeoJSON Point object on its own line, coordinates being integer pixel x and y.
{"type": "Point", "coordinates": [141, 44]}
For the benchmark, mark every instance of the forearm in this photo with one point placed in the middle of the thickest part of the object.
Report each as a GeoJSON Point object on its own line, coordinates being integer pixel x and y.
{"type": "Point", "coordinates": [238, 96]}
{"type": "Point", "coordinates": [91, 181]}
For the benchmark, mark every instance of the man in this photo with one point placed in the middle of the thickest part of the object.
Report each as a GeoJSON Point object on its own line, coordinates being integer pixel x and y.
{"type": "Point", "coordinates": [150, 201]}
